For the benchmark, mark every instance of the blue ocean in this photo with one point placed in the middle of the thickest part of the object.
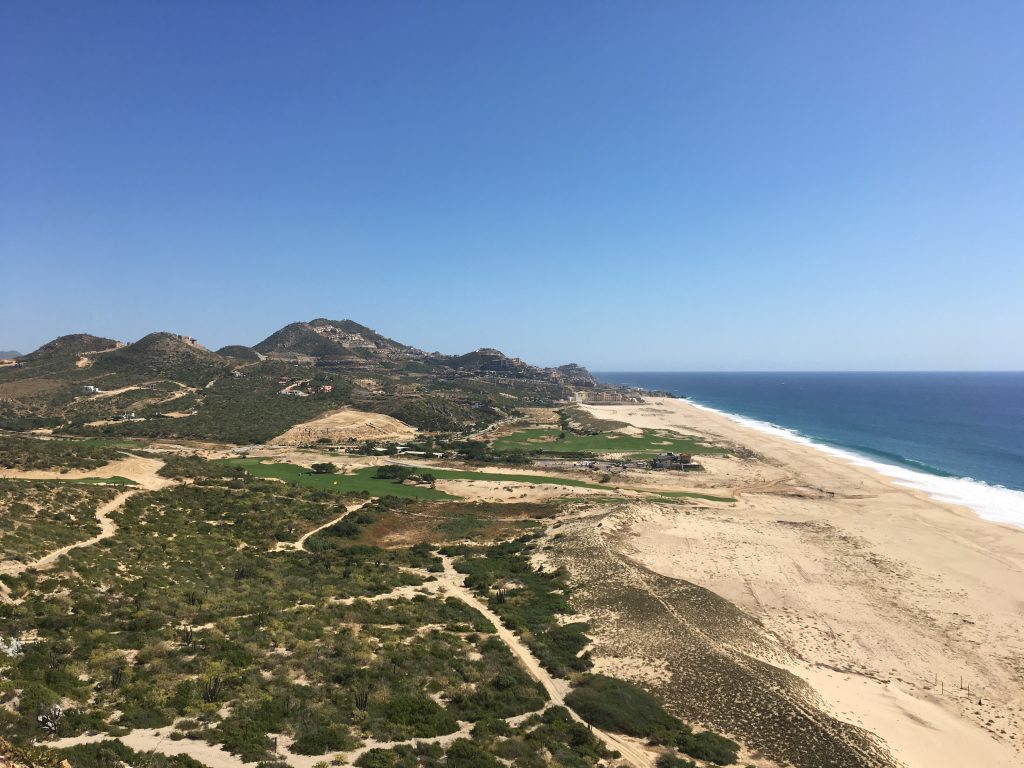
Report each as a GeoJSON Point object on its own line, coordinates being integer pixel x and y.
{"type": "Point", "coordinates": [958, 436]}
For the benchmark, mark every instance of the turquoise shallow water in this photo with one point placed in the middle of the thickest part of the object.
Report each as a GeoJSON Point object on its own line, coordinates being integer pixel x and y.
{"type": "Point", "coordinates": [959, 436]}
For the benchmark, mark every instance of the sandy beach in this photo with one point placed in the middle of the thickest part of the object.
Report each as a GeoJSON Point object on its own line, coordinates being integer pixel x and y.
{"type": "Point", "coordinates": [883, 599]}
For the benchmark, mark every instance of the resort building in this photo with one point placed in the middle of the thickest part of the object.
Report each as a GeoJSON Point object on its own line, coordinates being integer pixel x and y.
{"type": "Point", "coordinates": [679, 461]}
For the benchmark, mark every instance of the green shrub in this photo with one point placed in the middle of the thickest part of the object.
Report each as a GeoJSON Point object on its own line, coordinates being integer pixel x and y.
{"type": "Point", "coordinates": [669, 760]}
{"type": "Point", "coordinates": [709, 746]}
{"type": "Point", "coordinates": [615, 705]}
{"type": "Point", "coordinates": [408, 716]}
{"type": "Point", "coordinates": [465, 754]}
{"type": "Point", "coordinates": [322, 738]}
{"type": "Point", "coordinates": [395, 472]}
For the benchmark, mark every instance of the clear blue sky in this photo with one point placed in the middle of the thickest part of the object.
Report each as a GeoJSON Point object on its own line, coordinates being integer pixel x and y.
{"type": "Point", "coordinates": [659, 185]}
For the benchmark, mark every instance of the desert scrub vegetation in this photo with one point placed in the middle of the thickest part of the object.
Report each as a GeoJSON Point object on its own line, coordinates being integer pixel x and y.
{"type": "Point", "coordinates": [114, 754]}
{"type": "Point", "coordinates": [39, 516]}
{"type": "Point", "coordinates": [189, 615]}
{"type": "Point", "coordinates": [528, 600]}
{"type": "Point", "coordinates": [410, 521]}
{"type": "Point", "coordinates": [621, 707]}
{"type": "Point", "coordinates": [180, 467]}
{"type": "Point", "coordinates": [573, 418]}
{"type": "Point", "coordinates": [18, 452]}
{"type": "Point", "coordinates": [543, 739]}
{"type": "Point", "coordinates": [247, 409]}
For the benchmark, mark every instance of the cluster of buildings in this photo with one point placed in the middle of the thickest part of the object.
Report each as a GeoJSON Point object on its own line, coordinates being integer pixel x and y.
{"type": "Point", "coordinates": [303, 388]}
{"type": "Point", "coordinates": [679, 461]}
{"type": "Point", "coordinates": [605, 397]}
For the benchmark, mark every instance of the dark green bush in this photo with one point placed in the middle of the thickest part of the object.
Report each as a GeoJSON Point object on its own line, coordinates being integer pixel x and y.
{"type": "Point", "coordinates": [465, 754]}
{"type": "Point", "coordinates": [409, 716]}
{"type": "Point", "coordinates": [618, 706]}
{"type": "Point", "coordinates": [669, 760]}
{"type": "Point", "coordinates": [709, 746]}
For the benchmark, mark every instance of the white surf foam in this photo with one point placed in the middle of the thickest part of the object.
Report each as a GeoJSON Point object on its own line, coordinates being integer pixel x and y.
{"type": "Point", "coordinates": [991, 502]}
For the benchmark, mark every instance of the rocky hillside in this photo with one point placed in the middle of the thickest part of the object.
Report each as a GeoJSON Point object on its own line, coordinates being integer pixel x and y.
{"type": "Point", "coordinates": [169, 385]}
{"type": "Point", "coordinates": [335, 341]}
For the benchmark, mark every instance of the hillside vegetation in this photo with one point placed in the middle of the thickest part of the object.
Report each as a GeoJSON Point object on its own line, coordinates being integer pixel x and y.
{"type": "Point", "coordinates": [165, 385]}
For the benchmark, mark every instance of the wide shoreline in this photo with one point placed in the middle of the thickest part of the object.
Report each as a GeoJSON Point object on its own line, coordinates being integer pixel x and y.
{"type": "Point", "coordinates": [995, 503]}
{"type": "Point", "coordinates": [882, 595]}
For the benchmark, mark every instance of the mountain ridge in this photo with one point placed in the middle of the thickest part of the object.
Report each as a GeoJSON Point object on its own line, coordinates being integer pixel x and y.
{"type": "Point", "coordinates": [89, 385]}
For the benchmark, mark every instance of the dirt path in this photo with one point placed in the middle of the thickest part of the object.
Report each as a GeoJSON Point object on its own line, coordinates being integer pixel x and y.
{"type": "Point", "coordinates": [215, 756]}
{"type": "Point", "coordinates": [300, 544]}
{"type": "Point", "coordinates": [107, 529]}
{"type": "Point", "coordinates": [158, 740]}
{"type": "Point", "coordinates": [348, 758]}
{"type": "Point", "coordinates": [454, 583]}
{"type": "Point", "coordinates": [450, 582]}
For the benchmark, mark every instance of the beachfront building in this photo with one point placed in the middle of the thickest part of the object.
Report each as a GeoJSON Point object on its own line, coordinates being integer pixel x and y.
{"type": "Point", "coordinates": [678, 461]}
{"type": "Point", "coordinates": [605, 397]}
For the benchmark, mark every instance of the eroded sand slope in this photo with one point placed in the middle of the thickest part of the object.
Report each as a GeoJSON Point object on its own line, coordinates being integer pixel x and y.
{"type": "Point", "coordinates": [876, 596]}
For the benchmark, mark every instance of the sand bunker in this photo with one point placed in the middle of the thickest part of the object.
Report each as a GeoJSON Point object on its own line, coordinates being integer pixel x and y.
{"type": "Point", "coordinates": [141, 469]}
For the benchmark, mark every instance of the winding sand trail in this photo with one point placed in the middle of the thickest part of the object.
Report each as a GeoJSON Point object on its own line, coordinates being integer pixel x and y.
{"type": "Point", "coordinates": [138, 468]}
{"type": "Point", "coordinates": [453, 582]}
{"type": "Point", "coordinates": [299, 545]}
{"type": "Point", "coordinates": [107, 529]}
{"type": "Point", "coordinates": [158, 740]}
{"type": "Point", "coordinates": [450, 582]}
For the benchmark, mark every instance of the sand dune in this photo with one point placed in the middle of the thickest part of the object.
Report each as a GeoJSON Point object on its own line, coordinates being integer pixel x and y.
{"type": "Point", "coordinates": [880, 597]}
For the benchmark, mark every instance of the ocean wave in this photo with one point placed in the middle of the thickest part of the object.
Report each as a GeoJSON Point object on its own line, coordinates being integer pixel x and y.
{"type": "Point", "coordinates": [990, 502]}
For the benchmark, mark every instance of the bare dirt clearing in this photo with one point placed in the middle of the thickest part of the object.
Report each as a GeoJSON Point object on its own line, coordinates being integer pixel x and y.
{"type": "Point", "coordinates": [346, 425]}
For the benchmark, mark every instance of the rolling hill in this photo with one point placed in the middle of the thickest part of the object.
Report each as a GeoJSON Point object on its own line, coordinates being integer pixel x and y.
{"type": "Point", "coordinates": [167, 385]}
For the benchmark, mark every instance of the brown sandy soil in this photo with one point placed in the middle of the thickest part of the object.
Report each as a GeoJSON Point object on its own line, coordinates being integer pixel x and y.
{"type": "Point", "coordinates": [710, 663]}
{"type": "Point", "coordinates": [346, 425]}
{"type": "Point", "coordinates": [876, 595]}
{"type": "Point", "coordinates": [140, 469]}
{"type": "Point", "coordinates": [498, 491]}
{"type": "Point", "coordinates": [158, 740]}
